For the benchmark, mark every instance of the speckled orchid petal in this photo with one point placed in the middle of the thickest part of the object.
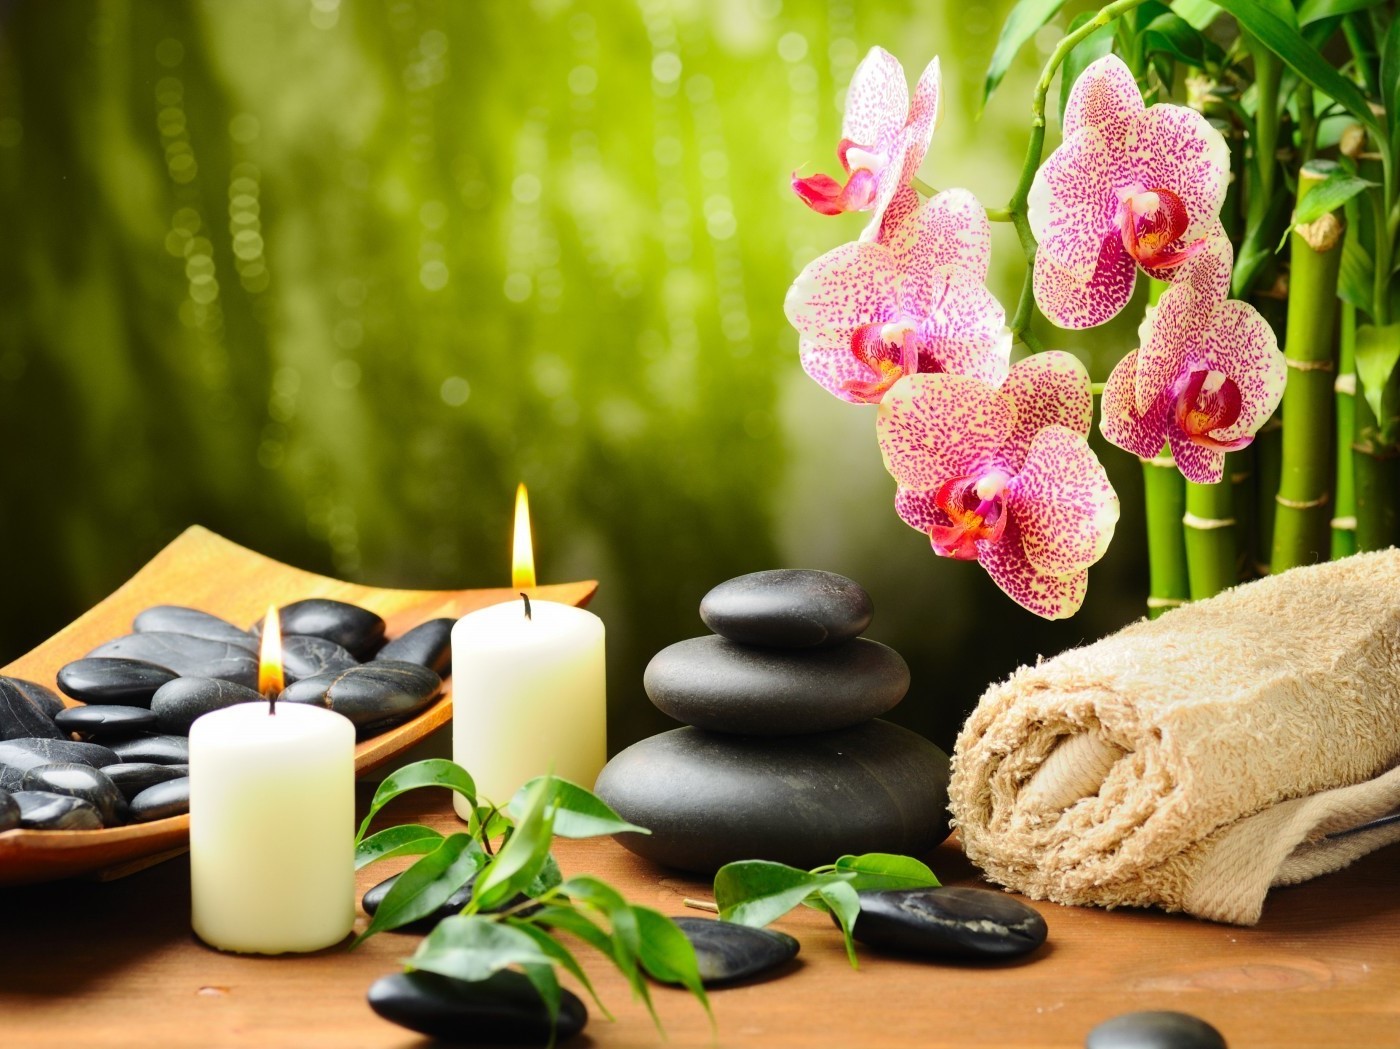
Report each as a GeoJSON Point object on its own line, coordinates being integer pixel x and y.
{"type": "Point", "coordinates": [1105, 97]}
{"type": "Point", "coordinates": [1074, 201]}
{"type": "Point", "coordinates": [877, 101]}
{"type": "Point", "coordinates": [1144, 435]}
{"type": "Point", "coordinates": [1063, 502]}
{"type": "Point", "coordinates": [850, 285]}
{"type": "Point", "coordinates": [905, 203]}
{"type": "Point", "coordinates": [1176, 148]}
{"type": "Point", "coordinates": [836, 370]}
{"type": "Point", "coordinates": [1239, 343]}
{"type": "Point", "coordinates": [1179, 318]}
{"type": "Point", "coordinates": [935, 427]}
{"type": "Point", "coordinates": [910, 148]}
{"type": "Point", "coordinates": [949, 229]}
{"type": "Point", "coordinates": [1075, 304]}
{"type": "Point", "coordinates": [964, 330]}
{"type": "Point", "coordinates": [1197, 462]}
{"type": "Point", "coordinates": [1048, 596]}
{"type": "Point", "coordinates": [918, 508]}
{"type": "Point", "coordinates": [1050, 389]}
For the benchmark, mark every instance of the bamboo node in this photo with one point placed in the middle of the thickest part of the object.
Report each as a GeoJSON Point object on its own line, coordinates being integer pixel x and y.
{"type": "Point", "coordinates": [1343, 524]}
{"type": "Point", "coordinates": [1322, 234]}
{"type": "Point", "coordinates": [1166, 602]}
{"type": "Point", "coordinates": [1205, 524]}
{"type": "Point", "coordinates": [1240, 477]}
{"type": "Point", "coordinates": [1304, 504]}
{"type": "Point", "coordinates": [1345, 384]}
{"type": "Point", "coordinates": [1165, 461]}
{"type": "Point", "coordinates": [1310, 366]}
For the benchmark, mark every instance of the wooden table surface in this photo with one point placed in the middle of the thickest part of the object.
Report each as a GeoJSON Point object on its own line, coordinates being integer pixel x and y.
{"type": "Point", "coordinates": [95, 964]}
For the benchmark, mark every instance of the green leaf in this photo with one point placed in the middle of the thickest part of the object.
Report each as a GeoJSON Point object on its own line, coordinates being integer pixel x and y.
{"type": "Point", "coordinates": [434, 772]}
{"type": "Point", "coordinates": [473, 948]}
{"type": "Point", "coordinates": [1390, 75]}
{"type": "Point", "coordinates": [487, 821]}
{"type": "Point", "coordinates": [549, 877]}
{"type": "Point", "coordinates": [1020, 25]}
{"type": "Point", "coordinates": [562, 956]}
{"type": "Point", "coordinates": [1172, 35]}
{"type": "Point", "coordinates": [757, 892]}
{"type": "Point", "coordinates": [843, 902]}
{"type": "Point", "coordinates": [667, 955]}
{"type": "Point", "coordinates": [557, 916]}
{"type": "Point", "coordinates": [1279, 35]}
{"type": "Point", "coordinates": [593, 892]}
{"type": "Point", "coordinates": [578, 813]}
{"type": "Point", "coordinates": [1200, 13]}
{"type": "Point", "coordinates": [1085, 53]}
{"type": "Point", "coordinates": [523, 856]}
{"type": "Point", "coordinates": [1354, 284]}
{"type": "Point", "coordinates": [411, 839]}
{"type": "Point", "coordinates": [1377, 352]}
{"type": "Point", "coordinates": [1328, 195]}
{"type": "Point", "coordinates": [881, 870]}
{"type": "Point", "coordinates": [1316, 10]}
{"type": "Point", "coordinates": [426, 886]}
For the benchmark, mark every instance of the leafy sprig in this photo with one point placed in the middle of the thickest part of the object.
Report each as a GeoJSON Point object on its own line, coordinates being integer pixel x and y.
{"type": "Point", "coordinates": [519, 897]}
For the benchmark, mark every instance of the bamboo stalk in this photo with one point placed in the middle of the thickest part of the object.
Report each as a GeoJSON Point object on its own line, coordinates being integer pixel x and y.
{"type": "Point", "coordinates": [1344, 397]}
{"type": "Point", "coordinates": [1164, 505]}
{"type": "Point", "coordinates": [1268, 468]}
{"type": "Point", "coordinates": [1209, 524]}
{"type": "Point", "coordinates": [1377, 482]}
{"type": "Point", "coordinates": [1241, 470]}
{"type": "Point", "coordinates": [1304, 492]}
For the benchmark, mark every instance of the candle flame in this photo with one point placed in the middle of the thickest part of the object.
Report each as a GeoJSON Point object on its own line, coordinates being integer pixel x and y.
{"type": "Point", "coordinates": [522, 568]}
{"type": "Point", "coordinates": [270, 681]}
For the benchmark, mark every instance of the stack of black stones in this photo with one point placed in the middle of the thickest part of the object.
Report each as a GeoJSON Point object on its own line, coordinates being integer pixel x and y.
{"type": "Point", "coordinates": [121, 755]}
{"type": "Point", "coordinates": [783, 758]}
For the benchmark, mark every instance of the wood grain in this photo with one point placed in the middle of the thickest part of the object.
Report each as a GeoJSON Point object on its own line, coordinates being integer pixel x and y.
{"type": "Point", "coordinates": [205, 571]}
{"type": "Point", "coordinates": [103, 965]}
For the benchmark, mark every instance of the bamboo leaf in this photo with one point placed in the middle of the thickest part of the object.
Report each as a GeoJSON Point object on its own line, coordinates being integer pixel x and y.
{"type": "Point", "coordinates": [1390, 75]}
{"type": "Point", "coordinates": [578, 813]}
{"type": "Point", "coordinates": [757, 892]}
{"type": "Point", "coordinates": [1377, 352]}
{"type": "Point", "coordinates": [1085, 53]}
{"type": "Point", "coordinates": [1172, 35]}
{"type": "Point", "coordinates": [880, 870]}
{"type": "Point", "coordinates": [667, 955]}
{"type": "Point", "coordinates": [843, 902]}
{"type": "Point", "coordinates": [1328, 195]}
{"type": "Point", "coordinates": [426, 886]}
{"type": "Point", "coordinates": [1020, 25]}
{"type": "Point", "coordinates": [1316, 10]}
{"type": "Point", "coordinates": [434, 772]}
{"type": "Point", "coordinates": [411, 839]}
{"type": "Point", "coordinates": [1200, 13]}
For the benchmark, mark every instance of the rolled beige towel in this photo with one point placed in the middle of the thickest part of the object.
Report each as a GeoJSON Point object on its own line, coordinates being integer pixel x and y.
{"type": "Point", "coordinates": [1194, 761]}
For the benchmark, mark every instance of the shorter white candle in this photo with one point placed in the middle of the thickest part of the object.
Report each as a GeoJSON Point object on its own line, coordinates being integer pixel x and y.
{"type": "Point", "coordinates": [529, 696]}
{"type": "Point", "coordinates": [272, 825]}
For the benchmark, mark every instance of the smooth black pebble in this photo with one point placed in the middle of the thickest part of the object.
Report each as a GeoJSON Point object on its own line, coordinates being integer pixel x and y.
{"type": "Point", "coordinates": [350, 626]}
{"type": "Point", "coordinates": [504, 1009]}
{"type": "Point", "coordinates": [160, 750]}
{"type": "Point", "coordinates": [43, 810]}
{"type": "Point", "coordinates": [428, 644]}
{"type": "Point", "coordinates": [9, 811]}
{"type": "Point", "coordinates": [305, 655]}
{"type": "Point", "coordinates": [133, 777]}
{"type": "Point", "coordinates": [171, 798]}
{"type": "Point", "coordinates": [102, 722]}
{"type": "Point", "coordinates": [176, 619]}
{"type": "Point", "coordinates": [951, 922]}
{"type": "Point", "coordinates": [374, 693]}
{"type": "Point", "coordinates": [79, 781]}
{"type": "Point", "coordinates": [27, 710]}
{"type": "Point", "coordinates": [727, 952]}
{"type": "Point", "coordinates": [788, 608]}
{"type": "Point", "coordinates": [186, 655]}
{"type": "Point", "coordinates": [18, 756]}
{"type": "Point", "coordinates": [115, 680]}
{"type": "Point", "coordinates": [178, 703]}
{"type": "Point", "coordinates": [1158, 1029]}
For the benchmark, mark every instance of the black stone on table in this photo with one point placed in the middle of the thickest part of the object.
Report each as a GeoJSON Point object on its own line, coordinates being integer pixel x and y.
{"type": "Point", "coordinates": [713, 683]}
{"type": "Point", "coordinates": [103, 722]}
{"type": "Point", "coordinates": [177, 703]}
{"type": "Point", "coordinates": [504, 1009]}
{"type": "Point", "coordinates": [116, 680]}
{"type": "Point", "coordinates": [27, 710]}
{"type": "Point", "coordinates": [9, 811]}
{"type": "Point", "coordinates": [375, 692]}
{"type": "Point", "coordinates": [176, 619]}
{"type": "Point", "coordinates": [79, 781]}
{"type": "Point", "coordinates": [350, 626]}
{"type": "Point", "coordinates": [950, 922]}
{"type": "Point", "coordinates": [166, 749]}
{"type": "Point", "coordinates": [157, 802]}
{"type": "Point", "coordinates": [133, 777]}
{"type": "Point", "coordinates": [186, 655]}
{"type": "Point", "coordinates": [1156, 1029]}
{"type": "Point", "coordinates": [727, 952]}
{"type": "Point", "coordinates": [18, 756]}
{"type": "Point", "coordinates": [42, 810]}
{"type": "Point", "coordinates": [788, 608]}
{"type": "Point", "coordinates": [305, 655]}
{"type": "Point", "coordinates": [428, 644]}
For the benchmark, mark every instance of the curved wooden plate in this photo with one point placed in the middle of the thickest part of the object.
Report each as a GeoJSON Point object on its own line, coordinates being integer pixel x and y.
{"type": "Point", "coordinates": [205, 571]}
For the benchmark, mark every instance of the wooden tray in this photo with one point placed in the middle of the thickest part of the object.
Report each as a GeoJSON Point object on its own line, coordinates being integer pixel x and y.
{"type": "Point", "coordinates": [205, 571]}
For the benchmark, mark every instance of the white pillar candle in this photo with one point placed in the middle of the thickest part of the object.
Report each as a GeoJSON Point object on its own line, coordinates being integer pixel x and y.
{"type": "Point", "coordinates": [272, 826]}
{"type": "Point", "coordinates": [529, 696]}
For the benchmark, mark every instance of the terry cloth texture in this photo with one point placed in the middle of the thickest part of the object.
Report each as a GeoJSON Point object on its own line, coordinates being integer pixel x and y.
{"type": "Point", "coordinates": [1193, 761]}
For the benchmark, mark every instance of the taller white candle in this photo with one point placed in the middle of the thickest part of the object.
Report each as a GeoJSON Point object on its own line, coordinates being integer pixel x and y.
{"type": "Point", "coordinates": [529, 696]}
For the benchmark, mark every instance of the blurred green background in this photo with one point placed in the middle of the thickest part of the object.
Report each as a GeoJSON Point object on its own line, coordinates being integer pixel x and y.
{"type": "Point", "coordinates": [331, 277]}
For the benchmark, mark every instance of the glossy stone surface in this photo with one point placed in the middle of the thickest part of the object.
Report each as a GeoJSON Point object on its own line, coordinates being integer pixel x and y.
{"type": "Point", "coordinates": [171, 798]}
{"type": "Point", "coordinates": [27, 710]}
{"type": "Point", "coordinates": [176, 619]}
{"type": "Point", "coordinates": [304, 655]}
{"type": "Point", "coordinates": [712, 683]}
{"type": "Point", "coordinates": [132, 778]}
{"type": "Point", "coordinates": [372, 694]}
{"type": "Point", "coordinates": [101, 722]}
{"type": "Point", "coordinates": [788, 608]}
{"type": "Point", "coordinates": [1158, 1029]}
{"type": "Point", "coordinates": [727, 952]}
{"type": "Point", "coordinates": [18, 756]}
{"type": "Point", "coordinates": [504, 1009]}
{"type": "Point", "coordinates": [179, 702]}
{"type": "Point", "coordinates": [711, 798]}
{"type": "Point", "coordinates": [186, 655]}
{"type": "Point", "coordinates": [108, 679]}
{"type": "Point", "coordinates": [952, 922]}
{"type": "Point", "coordinates": [356, 629]}
{"type": "Point", "coordinates": [9, 811]}
{"type": "Point", "coordinates": [42, 810]}
{"type": "Point", "coordinates": [428, 644]}
{"type": "Point", "coordinates": [79, 781]}
{"type": "Point", "coordinates": [165, 749]}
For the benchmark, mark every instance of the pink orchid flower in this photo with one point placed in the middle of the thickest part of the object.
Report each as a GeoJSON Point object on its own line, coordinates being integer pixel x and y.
{"type": "Point", "coordinates": [1208, 375]}
{"type": "Point", "coordinates": [871, 312]}
{"type": "Point", "coordinates": [884, 137]}
{"type": "Point", "coordinates": [1128, 187]}
{"type": "Point", "coordinates": [1004, 476]}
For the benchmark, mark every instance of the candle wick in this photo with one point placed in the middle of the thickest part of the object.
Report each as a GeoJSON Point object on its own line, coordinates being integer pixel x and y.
{"type": "Point", "coordinates": [526, 599]}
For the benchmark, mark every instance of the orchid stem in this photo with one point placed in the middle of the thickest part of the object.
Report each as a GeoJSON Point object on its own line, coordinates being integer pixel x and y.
{"type": "Point", "coordinates": [923, 187]}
